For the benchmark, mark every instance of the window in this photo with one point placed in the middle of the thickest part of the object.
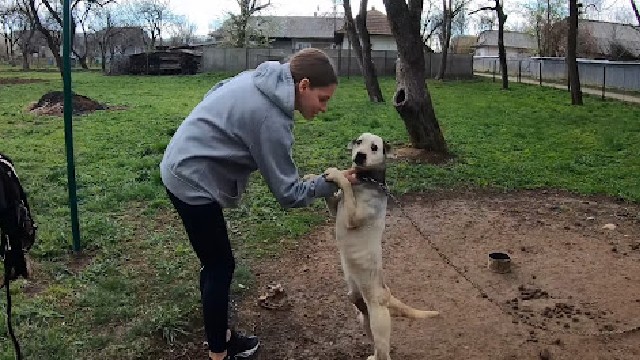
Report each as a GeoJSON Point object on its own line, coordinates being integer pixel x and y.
{"type": "Point", "coordinates": [302, 45]}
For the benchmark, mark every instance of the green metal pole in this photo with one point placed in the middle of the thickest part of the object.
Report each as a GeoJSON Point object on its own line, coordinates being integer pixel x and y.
{"type": "Point", "coordinates": [68, 127]}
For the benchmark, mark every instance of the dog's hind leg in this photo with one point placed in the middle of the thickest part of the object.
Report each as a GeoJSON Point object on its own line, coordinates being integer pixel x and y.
{"type": "Point", "coordinates": [363, 313]}
{"type": "Point", "coordinates": [380, 322]}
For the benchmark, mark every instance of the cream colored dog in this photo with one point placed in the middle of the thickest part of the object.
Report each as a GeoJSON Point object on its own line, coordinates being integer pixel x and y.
{"type": "Point", "coordinates": [360, 211]}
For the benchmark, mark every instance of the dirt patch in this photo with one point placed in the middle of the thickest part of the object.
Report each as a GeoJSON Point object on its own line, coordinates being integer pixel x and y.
{"type": "Point", "coordinates": [52, 104]}
{"type": "Point", "coordinates": [16, 81]}
{"type": "Point", "coordinates": [420, 155]}
{"type": "Point", "coordinates": [570, 276]}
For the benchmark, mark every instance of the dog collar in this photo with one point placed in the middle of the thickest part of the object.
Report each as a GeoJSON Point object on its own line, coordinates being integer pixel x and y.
{"type": "Point", "coordinates": [382, 185]}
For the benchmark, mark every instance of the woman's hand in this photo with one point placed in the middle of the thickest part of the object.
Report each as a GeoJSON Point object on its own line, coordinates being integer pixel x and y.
{"type": "Point", "coordinates": [350, 174]}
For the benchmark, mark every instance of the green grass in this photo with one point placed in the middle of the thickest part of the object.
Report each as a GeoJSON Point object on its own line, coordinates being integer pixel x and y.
{"type": "Point", "coordinates": [136, 288]}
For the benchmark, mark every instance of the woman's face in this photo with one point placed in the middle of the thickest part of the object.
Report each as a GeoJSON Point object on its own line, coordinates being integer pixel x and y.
{"type": "Point", "coordinates": [311, 101]}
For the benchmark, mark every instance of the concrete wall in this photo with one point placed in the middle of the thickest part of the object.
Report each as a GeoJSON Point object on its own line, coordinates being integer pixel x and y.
{"type": "Point", "coordinates": [623, 75]}
{"type": "Point", "coordinates": [384, 43]}
{"type": "Point", "coordinates": [460, 66]}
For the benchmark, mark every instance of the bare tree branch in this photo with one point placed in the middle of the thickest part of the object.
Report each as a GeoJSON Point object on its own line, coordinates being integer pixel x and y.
{"type": "Point", "coordinates": [492, 8]}
{"type": "Point", "coordinates": [635, 10]}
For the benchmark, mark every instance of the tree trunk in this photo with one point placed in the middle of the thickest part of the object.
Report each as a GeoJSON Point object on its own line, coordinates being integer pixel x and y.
{"type": "Point", "coordinates": [412, 99]}
{"type": "Point", "coordinates": [368, 67]}
{"type": "Point", "coordinates": [446, 29]}
{"type": "Point", "coordinates": [354, 41]}
{"type": "Point", "coordinates": [572, 64]}
{"type": "Point", "coordinates": [83, 62]}
{"type": "Point", "coordinates": [25, 60]}
{"type": "Point", "coordinates": [502, 54]}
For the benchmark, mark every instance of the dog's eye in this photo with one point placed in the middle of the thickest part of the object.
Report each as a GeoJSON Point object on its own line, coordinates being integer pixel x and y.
{"type": "Point", "coordinates": [358, 142]}
{"type": "Point", "coordinates": [374, 147]}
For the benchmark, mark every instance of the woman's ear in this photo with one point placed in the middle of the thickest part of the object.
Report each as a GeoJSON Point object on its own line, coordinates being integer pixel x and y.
{"type": "Point", "coordinates": [304, 84]}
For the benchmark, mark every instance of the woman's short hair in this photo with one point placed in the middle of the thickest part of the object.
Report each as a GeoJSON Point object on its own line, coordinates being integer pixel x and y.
{"type": "Point", "coordinates": [315, 65]}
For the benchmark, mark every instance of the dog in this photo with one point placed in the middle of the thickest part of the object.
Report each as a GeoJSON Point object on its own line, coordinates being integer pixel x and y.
{"type": "Point", "coordinates": [360, 213]}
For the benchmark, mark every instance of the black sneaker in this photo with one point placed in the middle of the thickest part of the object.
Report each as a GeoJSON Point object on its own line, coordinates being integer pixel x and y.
{"type": "Point", "coordinates": [241, 346]}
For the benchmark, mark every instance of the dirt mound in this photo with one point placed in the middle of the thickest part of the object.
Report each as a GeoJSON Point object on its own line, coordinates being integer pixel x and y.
{"type": "Point", "coordinates": [52, 103]}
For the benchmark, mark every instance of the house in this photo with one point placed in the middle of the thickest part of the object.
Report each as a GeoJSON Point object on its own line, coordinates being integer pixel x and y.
{"type": "Point", "coordinates": [324, 32]}
{"type": "Point", "coordinates": [517, 45]}
{"type": "Point", "coordinates": [463, 44]}
{"type": "Point", "coordinates": [379, 32]}
{"type": "Point", "coordinates": [118, 41]}
{"type": "Point", "coordinates": [287, 32]}
{"type": "Point", "coordinates": [605, 39]}
{"type": "Point", "coordinates": [299, 32]}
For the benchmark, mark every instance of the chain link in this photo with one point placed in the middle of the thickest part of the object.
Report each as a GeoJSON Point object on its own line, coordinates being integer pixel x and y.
{"type": "Point", "coordinates": [482, 292]}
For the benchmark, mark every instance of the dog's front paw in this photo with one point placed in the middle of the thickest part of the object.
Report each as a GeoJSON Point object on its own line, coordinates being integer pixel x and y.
{"type": "Point", "coordinates": [335, 175]}
{"type": "Point", "coordinates": [309, 177]}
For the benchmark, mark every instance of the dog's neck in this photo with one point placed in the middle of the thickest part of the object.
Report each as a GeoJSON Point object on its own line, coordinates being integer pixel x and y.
{"type": "Point", "coordinates": [372, 175]}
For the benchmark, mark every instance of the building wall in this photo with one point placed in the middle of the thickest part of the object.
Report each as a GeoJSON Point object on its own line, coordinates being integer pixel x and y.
{"type": "Point", "coordinates": [381, 43]}
{"type": "Point", "coordinates": [512, 53]}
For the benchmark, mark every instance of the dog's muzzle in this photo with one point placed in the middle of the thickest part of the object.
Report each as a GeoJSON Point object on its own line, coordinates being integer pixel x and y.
{"type": "Point", "coordinates": [360, 159]}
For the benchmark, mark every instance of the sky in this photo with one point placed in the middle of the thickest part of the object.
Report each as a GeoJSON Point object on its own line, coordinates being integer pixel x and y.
{"type": "Point", "coordinates": [204, 13]}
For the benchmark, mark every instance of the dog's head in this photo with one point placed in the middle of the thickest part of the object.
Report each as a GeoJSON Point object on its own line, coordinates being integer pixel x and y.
{"type": "Point", "coordinates": [369, 151]}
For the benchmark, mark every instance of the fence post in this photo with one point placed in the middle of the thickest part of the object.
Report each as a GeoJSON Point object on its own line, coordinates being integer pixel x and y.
{"type": "Point", "coordinates": [604, 79]}
{"type": "Point", "coordinates": [540, 72]}
{"type": "Point", "coordinates": [494, 71]}
{"type": "Point", "coordinates": [349, 62]}
{"type": "Point", "coordinates": [519, 71]}
{"type": "Point", "coordinates": [385, 63]}
{"type": "Point", "coordinates": [340, 60]}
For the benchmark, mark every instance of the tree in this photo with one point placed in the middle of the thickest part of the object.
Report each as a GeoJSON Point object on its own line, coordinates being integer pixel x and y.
{"type": "Point", "coordinates": [27, 31]}
{"type": "Point", "coordinates": [239, 31]}
{"type": "Point", "coordinates": [153, 16]}
{"type": "Point", "coordinates": [412, 99]}
{"type": "Point", "coordinates": [546, 23]}
{"type": "Point", "coordinates": [450, 11]}
{"type": "Point", "coordinates": [12, 20]}
{"type": "Point", "coordinates": [431, 24]}
{"type": "Point", "coordinates": [49, 22]}
{"type": "Point", "coordinates": [502, 54]}
{"type": "Point", "coordinates": [361, 41]}
{"type": "Point", "coordinates": [635, 10]}
{"type": "Point", "coordinates": [182, 30]}
{"type": "Point", "coordinates": [572, 64]}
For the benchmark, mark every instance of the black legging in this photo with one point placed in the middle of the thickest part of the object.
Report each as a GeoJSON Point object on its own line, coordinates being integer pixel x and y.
{"type": "Point", "coordinates": [207, 232]}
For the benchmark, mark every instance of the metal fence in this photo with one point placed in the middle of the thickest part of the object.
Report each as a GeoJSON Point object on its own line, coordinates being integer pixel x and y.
{"type": "Point", "coordinates": [234, 60]}
{"type": "Point", "coordinates": [606, 76]}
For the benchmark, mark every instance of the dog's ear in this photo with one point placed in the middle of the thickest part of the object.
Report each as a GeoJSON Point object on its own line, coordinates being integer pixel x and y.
{"type": "Point", "coordinates": [351, 144]}
{"type": "Point", "coordinates": [387, 148]}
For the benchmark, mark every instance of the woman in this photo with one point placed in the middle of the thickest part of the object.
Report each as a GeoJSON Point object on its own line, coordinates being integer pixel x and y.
{"type": "Point", "coordinates": [243, 124]}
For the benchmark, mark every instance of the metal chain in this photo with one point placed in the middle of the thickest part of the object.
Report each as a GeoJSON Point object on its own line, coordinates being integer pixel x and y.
{"type": "Point", "coordinates": [483, 293]}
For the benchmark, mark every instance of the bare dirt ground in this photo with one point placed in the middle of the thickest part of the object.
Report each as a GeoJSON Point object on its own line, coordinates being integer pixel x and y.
{"type": "Point", "coordinates": [15, 81]}
{"type": "Point", "coordinates": [570, 277]}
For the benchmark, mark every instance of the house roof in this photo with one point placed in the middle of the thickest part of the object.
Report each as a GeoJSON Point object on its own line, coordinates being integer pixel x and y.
{"type": "Point", "coordinates": [606, 33]}
{"type": "Point", "coordinates": [318, 27]}
{"type": "Point", "coordinates": [512, 39]}
{"type": "Point", "coordinates": [377, 23]}
{"type": "Point", "coordinates": [463, 41]}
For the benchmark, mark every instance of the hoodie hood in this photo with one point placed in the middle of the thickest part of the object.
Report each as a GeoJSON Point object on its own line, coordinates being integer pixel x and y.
{"type": "Point", "coordinates": [274, 80]}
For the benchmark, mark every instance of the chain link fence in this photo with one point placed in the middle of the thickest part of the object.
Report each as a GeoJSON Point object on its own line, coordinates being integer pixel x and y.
{"type": "Point", "coordinates": [615, 79]}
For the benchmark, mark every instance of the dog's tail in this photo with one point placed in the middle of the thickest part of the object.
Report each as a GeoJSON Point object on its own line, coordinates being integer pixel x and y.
{"type": "Point", "coordinates": [399, 309]}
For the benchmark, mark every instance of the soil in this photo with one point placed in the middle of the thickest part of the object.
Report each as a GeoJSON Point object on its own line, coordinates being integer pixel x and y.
{"type": "Point", "coordinates": [570, 276]}
{"type": "Point", "coordinates": [419, 155]}
{"type": "Point", "coordinates": [15, 81]}
{"type": "Point", "coordinates": [52, 103]}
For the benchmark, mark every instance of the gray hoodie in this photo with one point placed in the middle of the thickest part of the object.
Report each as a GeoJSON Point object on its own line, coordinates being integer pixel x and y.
{"type": "Point", "coordinates": [243, 124]}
